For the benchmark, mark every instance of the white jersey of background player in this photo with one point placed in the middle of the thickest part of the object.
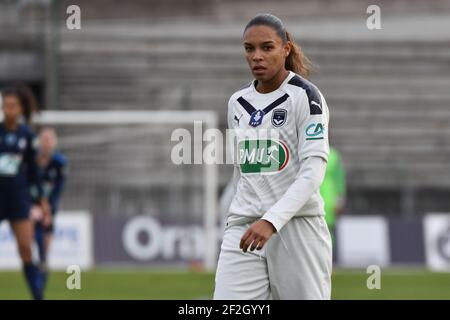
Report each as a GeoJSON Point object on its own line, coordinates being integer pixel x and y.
{"type": "Point", "coordinates": [281, 149]}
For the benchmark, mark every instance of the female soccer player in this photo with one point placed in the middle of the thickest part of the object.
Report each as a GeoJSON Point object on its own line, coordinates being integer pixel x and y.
{"type": "Point", "coordinates": [18, 169]}
{"type": "Point", "coordinates": [52, 165]}
{"type": "Point", "coordinates": [280, 121]}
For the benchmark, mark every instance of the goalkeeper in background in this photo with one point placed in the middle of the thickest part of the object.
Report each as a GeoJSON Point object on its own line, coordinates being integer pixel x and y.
{"type": "Point", "coordinates": [333, 189]}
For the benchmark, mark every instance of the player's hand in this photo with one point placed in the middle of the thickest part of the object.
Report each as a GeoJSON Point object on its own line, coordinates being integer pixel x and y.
{"type": "Point", "coordinates": [36, 213]}
{"type": "Point", "coordinates": [339, 206]}
{"type": "Point", "coordinates": [338, 210]}
{"type": "Point", "coordinates": [47, 218]}
{"type": "Point", "coordinates": [257, 235]}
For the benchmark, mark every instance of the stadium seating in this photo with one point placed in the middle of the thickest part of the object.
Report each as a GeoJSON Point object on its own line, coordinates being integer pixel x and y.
{"type": "Point", "coordinates": [389, 96]}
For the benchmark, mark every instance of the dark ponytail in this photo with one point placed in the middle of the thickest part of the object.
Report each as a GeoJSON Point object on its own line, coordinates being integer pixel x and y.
{"type": "Point", "coordinates": [26, 98]}
{"type": "Point", "coordinates": [296, 61]}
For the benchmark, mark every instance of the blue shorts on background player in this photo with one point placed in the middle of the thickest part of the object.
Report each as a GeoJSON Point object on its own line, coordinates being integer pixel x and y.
{"type": "Point", "coordinates": [19, 170]}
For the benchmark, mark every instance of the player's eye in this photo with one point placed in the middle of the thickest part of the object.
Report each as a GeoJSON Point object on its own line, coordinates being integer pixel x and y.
{"type": "Point", "coordinates": [267, 48]}
{"type": "Point", "coordinates": [248, 49]}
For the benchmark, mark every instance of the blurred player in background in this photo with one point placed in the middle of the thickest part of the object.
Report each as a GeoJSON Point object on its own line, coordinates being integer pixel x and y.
{"type": "Point", "coordinates": [52, 165]}
{"type": "Point", "coordinates": [19, 170]}
{"type": "Point", "coordinates": [333, 189]}
{"type": "Point", "coordinates": [279, 213]}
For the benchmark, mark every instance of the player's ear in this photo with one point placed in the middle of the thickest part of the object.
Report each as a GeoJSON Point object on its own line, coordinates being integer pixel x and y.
{"type": "Point", "coordinates": [287, 49]}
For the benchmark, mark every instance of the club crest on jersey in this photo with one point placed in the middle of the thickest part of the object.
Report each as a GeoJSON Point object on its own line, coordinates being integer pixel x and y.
{"type": "Point", "coordinates": [262, 156]}
{"type": "Point", "coordinates": [256, 118]}
{"type": "Point", "coordinates": [279, 117]}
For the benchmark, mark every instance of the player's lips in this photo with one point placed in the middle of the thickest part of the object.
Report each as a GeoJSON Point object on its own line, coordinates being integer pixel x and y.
{"type": "Point", "coordinates": [258, 68]}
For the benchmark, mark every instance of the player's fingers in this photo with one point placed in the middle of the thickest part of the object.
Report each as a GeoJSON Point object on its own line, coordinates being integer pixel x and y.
{"type": "Point", "coordinates": [246, 245]}
{"type": "Point", "coordinates": [48, 221]}
{"type": "Point", "coordinates": [248, 242]}
{"type": "Point", "coordinates": [261, 244]}
{"type": "Point", "coordinates": [244, 238]}
{"type": "Point", "coordinates": [255, 243]}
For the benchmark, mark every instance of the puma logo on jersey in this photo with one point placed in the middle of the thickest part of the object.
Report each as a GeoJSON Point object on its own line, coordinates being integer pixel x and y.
{"type": "Point", "coordinates": [237, 119]}
{"type": "Point", "coordinates": [317, 104]}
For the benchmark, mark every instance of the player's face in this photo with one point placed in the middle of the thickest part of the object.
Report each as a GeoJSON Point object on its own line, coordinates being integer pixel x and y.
{"type": "Point", "coordinates": [47, 141]}
{"type": "Point", "coordinates": [265, 52]}
{"type": "Point", "coordinates": [11, 108]}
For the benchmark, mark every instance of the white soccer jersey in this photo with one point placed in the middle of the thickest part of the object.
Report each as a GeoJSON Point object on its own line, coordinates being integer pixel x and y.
{"type": "Point", "coordinates": [275, 133]}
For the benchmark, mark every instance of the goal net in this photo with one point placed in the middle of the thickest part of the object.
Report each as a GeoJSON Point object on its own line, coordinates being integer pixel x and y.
{"type": "Point", "coordinates": [120, 168]}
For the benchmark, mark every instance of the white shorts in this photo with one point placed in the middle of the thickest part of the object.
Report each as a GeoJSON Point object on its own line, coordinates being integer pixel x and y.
{"type": "Point", "coordinates": [295, 263]}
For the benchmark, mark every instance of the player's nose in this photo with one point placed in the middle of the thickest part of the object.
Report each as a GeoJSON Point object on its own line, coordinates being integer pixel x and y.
{"type": "Point", "coordinates": [257, 56]}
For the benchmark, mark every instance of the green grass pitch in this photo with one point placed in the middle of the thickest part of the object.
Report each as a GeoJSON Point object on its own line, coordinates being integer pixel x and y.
{"type": "Point", "coordinates": [154, 284]}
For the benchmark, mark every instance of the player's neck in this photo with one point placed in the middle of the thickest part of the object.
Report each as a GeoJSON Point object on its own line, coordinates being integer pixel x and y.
{"type": "Point", "coordinates": [272, 84]}
{"type": "Point", "coordinates": [10, 125]}
{"type": "Point", "coordinates": [44, 158]}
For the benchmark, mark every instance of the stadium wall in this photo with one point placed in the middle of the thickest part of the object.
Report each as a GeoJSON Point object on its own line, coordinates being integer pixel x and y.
{"type": "Point", "coordinates": [145, 241]}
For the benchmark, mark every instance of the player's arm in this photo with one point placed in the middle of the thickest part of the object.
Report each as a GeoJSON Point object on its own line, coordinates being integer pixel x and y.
{"type": "Point", "coordinates": [309, 178]}
{"type": "Point", "coordinates": [33, 172]}
{"type": "Point", "coordinates": [231, 146]}
{"type": "Point", "coordinates": [308, 181]}
{"type": "Point", "coordinates": [55, 194]}
{"type": "Point", "coordinates": [35, 177]}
